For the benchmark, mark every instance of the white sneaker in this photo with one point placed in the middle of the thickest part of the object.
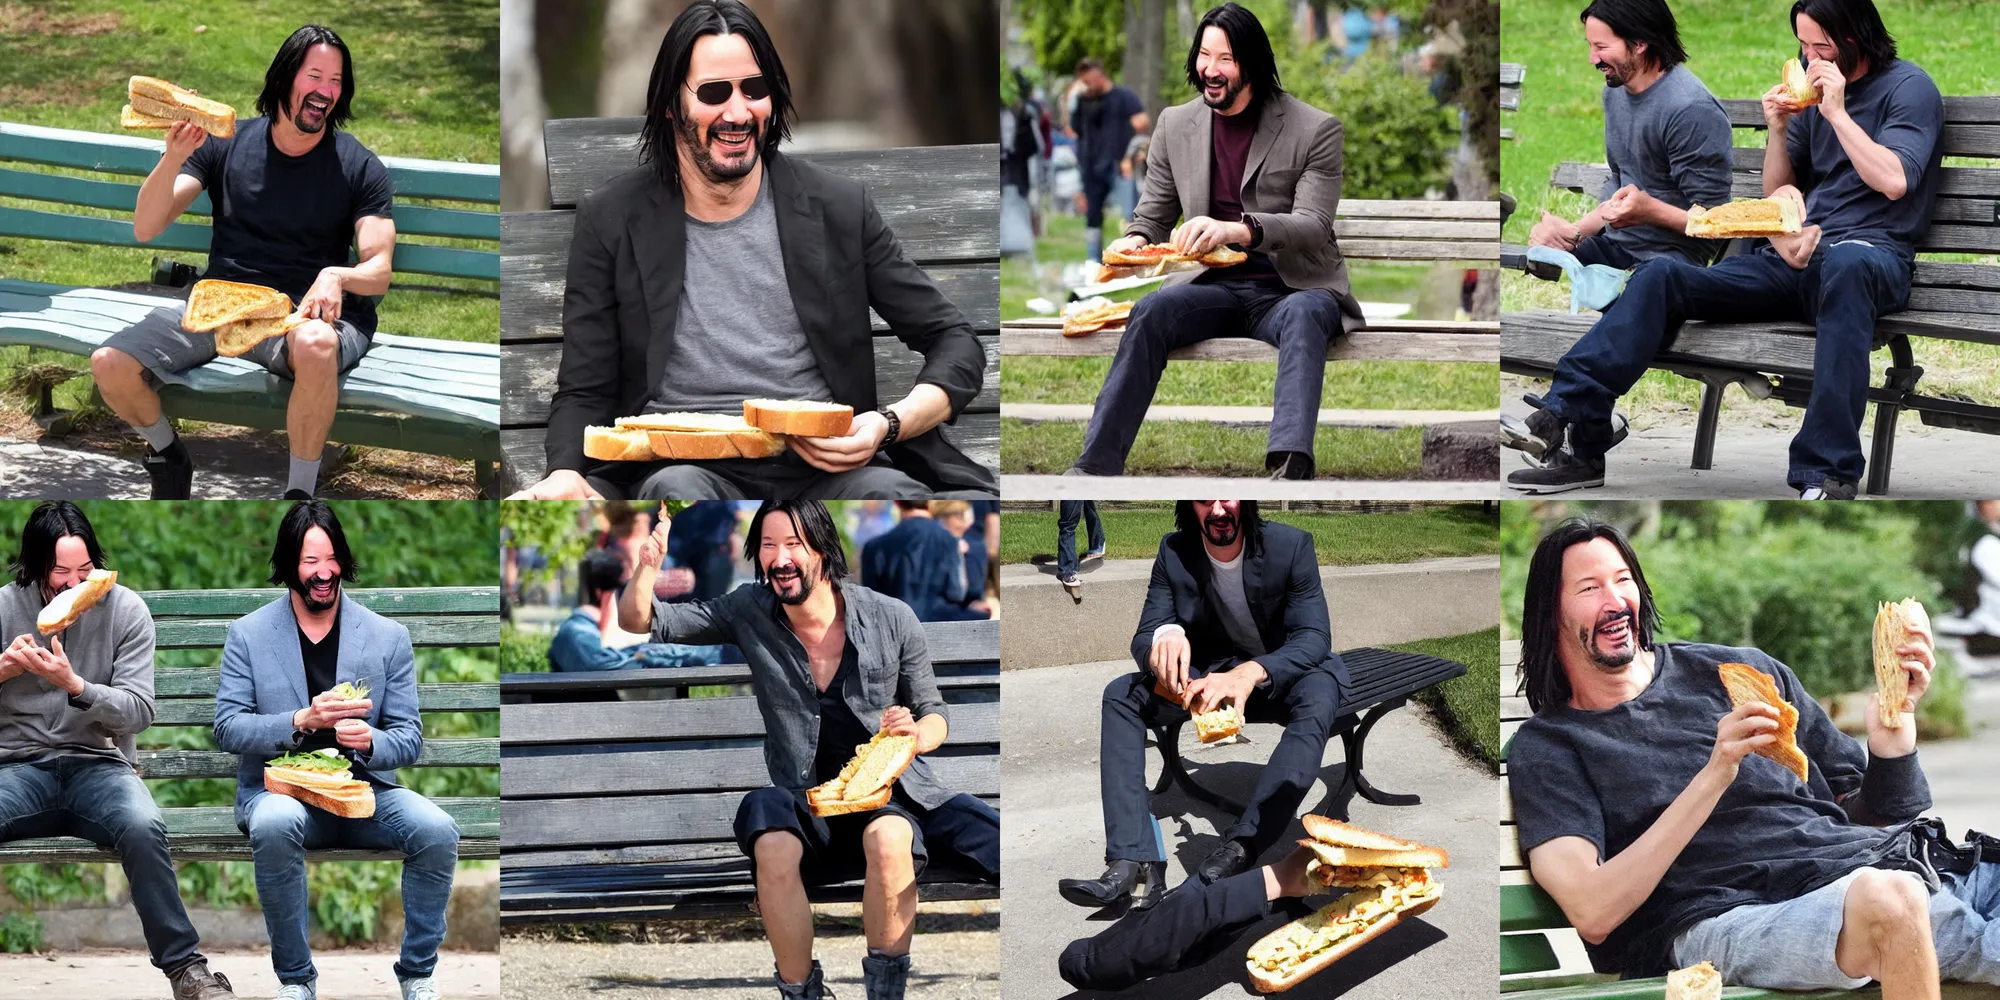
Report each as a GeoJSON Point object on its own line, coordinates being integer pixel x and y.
{"type": "Point", "coordinates": [419, 989]}
{"type": "Point", "coordinates": [1070, 581]}
{"type": "Point", "coordinates": [300, 991]}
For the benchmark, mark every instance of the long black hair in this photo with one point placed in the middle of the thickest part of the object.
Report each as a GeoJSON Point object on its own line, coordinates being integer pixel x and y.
{"type": "Point", "coordinates": [49, 522]}
{"type": "Point", "coordinates": [1250, 525]}
{"type": "Point", "coordinates": [1637, 21]}
{"type": "Point", "coordinates": [1855, 27]}
{"type": "Point", "coordinates": [1251, 47]}
{"type": "Point", "coordinates": [303, 517]}
{"type": "Point", "coordinates": [277, 96]}
{"type": "Point", "coordinates": [1541, 667]}
{"type": "Point", "coordinates": [815, 526]}
{"type": "Point", "coordinates": [670, 70]}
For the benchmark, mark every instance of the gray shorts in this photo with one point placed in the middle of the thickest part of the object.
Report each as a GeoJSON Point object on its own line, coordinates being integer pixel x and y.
{"type": "Point", "coordinates": [1790, 945]}
{"type": "Point", "coordinates": [169, 352]}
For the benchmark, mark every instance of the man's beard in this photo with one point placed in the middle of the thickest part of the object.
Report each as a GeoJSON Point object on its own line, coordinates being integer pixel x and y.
{"type": "Point", "coordinates": [304, 589]}
{"type": "Point", "coordinates": [787, 575]}
{"type": "Point", "coordinates": [1621, 71]}
{"type": "Point", "coordinates": [309, 121]}
{"type": "Point", "coordinates": [1616, 661]}
{"type": "Point", "coordinates": [695, 145]}
{"type": "Point", "coordinates": [1229, 91]}
{"type": "Point", "coordinates": [1220, 529]}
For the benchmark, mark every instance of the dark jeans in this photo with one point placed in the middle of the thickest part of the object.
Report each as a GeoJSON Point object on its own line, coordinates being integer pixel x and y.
{"type": "Point", "coordinates": [1096, 188]}
{"type": "Point", "coordinates": [103, 801]}
{"type": "Point", "coordinates": [1601, 249]}
{"type": "Point", "coordinates": [1072, 511]}
{"type": "Point", "coordinates": [1130, 708]}
{"type": "Point", "coordinates": [1184, 929]}
{"type": "Point", "coordinates": [1300, 324]}
{"type": "Point", "coordinates": [1841, 292]}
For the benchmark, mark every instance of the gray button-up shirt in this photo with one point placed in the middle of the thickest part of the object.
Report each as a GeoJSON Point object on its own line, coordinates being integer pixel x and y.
{"type": "Point", "coordinates": [888, 641]}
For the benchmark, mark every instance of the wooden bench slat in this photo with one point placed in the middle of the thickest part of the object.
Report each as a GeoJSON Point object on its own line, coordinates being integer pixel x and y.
{"type": "Point", "coordinates": [1513, 74]}
{"type": "Point", "coordinates": [1403, 208]}
{"type": "Point", "coordinates": [1362, 345]}
{"type": "Point", "coordinates": [460, 696]}
{"type": "Point", "coordinates": [589, 771]}
{"type": "Point", "coordinates": [706, 905]}
{"type": "Point", "coordinates": [411, 220]}
{"type": "Point", "coordinates": [630, 819]}
{"type": "Point", "coordinates": [396, 602]}
{"type": "Point", "coordinates": [1414, 229]}
{"type": "Point", "coordinates": [532, 685]}
{"type": "Point", "coordinates": [692, 718]}
{"type": "Point", "coordinates": [201, 682]}
{"type": "Point", "coordinates": [1379, 249]}
{"type": "Point", "coordinates": [459, 752]}
{"type": "Point", "coordinates": [425, 630]}
{"type": "Point", "coordinates": [947, 642]}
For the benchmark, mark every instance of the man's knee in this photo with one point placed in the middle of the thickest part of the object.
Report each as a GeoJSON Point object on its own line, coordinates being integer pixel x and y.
{"type": "Point", "coordinates": [1314, 700]}
{"type": "Point", "coordinates": [434, 829]}
{"type": "Point", "coordinates": [778, 852]}
{"type": "Point", "coordinates": [135, 819]}
{"type": "Point", "coordinates": [1118, 691]}
{"type": "Point", "coordinates": [886, 842]}
{"type": "Point", "coordinates": [109, 364]}
{"type": "Point", "coordinates": [676, 482]}
{"type": "Point", "coordinates": [1892, 906]}
{"type": "Point", "coordinates": [1310, 311]}
{"type": "Point", "coordinates": [277, 822]}
{"type": "Point", "coordinates": [313, 345]}
{"type": "Point", "coordinates": [881, 482]}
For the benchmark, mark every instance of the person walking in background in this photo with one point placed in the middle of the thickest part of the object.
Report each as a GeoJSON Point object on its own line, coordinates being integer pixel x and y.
{"type": "Point", "coordinates": [982, 541]}
{"type": "Point", "coordinates": [920, 563]}
{"type": "Point", "coordinates": [579, 642]}
{"type": "Point", "coordinates": [1980, 625]}
{"type": "Point", "coordinates": [702, 537]}
{"type": "Point", "coordinates": [1067, 516]}
{"type": "Point", "coordinates": [1104, 119]}
{"type": "Point", "coordinates": [957, 517]}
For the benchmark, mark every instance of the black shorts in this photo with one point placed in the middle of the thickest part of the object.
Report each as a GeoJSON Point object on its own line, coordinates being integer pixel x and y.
{"type": "Point", "coordinates": [833, 851]}
{"type": "Point", "coordinates": [169, 352]}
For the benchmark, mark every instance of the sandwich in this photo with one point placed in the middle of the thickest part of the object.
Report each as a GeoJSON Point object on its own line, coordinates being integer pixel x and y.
{"type": "Point", "coordinates": [1081, 319]}
{"type": "Point", "coordinates": [1797, 87]}
{"type": "Point", "coordinates": [1892, 629]}
{"type": "Point", "coordinates": [1745, 684]}
{"type": "Point", "coordinates": [617, 444]}
{"type": "Point", "coordinates": [804, 419]}
{"type": "Point", "coordinates": [1156, 259]}
{"type": "Point", "coordinates": [687, 437]}
{"type": "Point", "coordinates": [1751, 217]}
{"type": "Point", "coordinates": [1218, 723]}
{"type": "Point", "coordinates": [70, 605]}
{"type": "Point", "coordinates": [158, 104]}
{"type": "Point", "coordinates": [1696, 982]}
{"type": "Point", "coordinates": [865, 783]}
{"type": "Point", "coordinates": [1394, 882]}
{"type": "Point", "coordinates": [236, 339]}
{"type": "Point", "coordinates": [351, 690]}
{"type": "Point", "coordinates": [214, 303]}
{"type": "Point", "coordinates": [322, 779]}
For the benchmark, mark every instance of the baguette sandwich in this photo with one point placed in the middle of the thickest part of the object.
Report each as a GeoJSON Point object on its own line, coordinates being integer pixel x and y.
{"type": "Point", "coordinates": [1218, 723]}
{"type": "Point", "coordinates": [213, 303]}
{"type": "Point", "coordinates": [867, 781]}
{"type": "Point", "coordinates": [1893, 625]}
{"type": "Point", "coordinates": [158, 104]}
{"type": "Point", "coordinates": [1797, 87]}
{"type": "Point", "coordinates": [1746, 683]}
{"type": "Point", "coordinates": [322, 779]}
{"type": "Point", "coordinates": [1081, 319]}
{"type": "Point", "coordinates": [1156, 259]}
{"type": "Point", "coordinates": [1751, 217]}
{"type": "Point", "coordinates": [1393, 881]}
{"type": "Point", "coordinates": [804, 419]}
{"type": "Point", "coordinates": [1696, 982]}
{"type": "Point", "coordinates": [687, 437]}
{"type": "Point", "coordinates": [70, 605]}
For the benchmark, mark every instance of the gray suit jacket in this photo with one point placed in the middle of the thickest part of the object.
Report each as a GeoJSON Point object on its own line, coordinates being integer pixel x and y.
{"type": "Point", "coordinates": [264, 683]}
{"type": "Point", "coordinates": [1291, 186]}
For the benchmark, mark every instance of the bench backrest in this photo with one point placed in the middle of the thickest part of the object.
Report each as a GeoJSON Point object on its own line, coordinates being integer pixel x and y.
{"type": "Point", "coordinates": [940, 201]}
{"type": "Point", "coordinates": [134, 155]}
{"type": "Point", "coordinates": [635, 782]}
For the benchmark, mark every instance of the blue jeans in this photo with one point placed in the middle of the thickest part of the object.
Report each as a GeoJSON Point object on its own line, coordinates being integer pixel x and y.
{"type": "Point", "coordinates": [1071, 511]}
{"type": "Point", "coordinates": [1300, 324]}
{"type": "Point", "coordinates": [102, 800]}
{"type": "Point", "coordinates": [1842, 291]}
{"type": "Point", "coordinates": [282, 830]}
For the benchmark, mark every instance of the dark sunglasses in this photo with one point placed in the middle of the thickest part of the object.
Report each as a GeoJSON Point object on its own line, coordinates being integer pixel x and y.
{"type": "Point", "coordinates": [716, 92]}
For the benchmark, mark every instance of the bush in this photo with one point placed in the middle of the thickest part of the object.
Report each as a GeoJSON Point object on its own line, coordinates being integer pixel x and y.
{"type": "Point", "coordinates": [1398, 139]}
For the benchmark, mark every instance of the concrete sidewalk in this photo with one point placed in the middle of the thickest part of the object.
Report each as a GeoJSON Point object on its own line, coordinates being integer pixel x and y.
{"type": "Point", "coordinates": [953, 965]}
{"type": "Point", "coordinates": [1055, 830]}
{"type": "Point", "coordinates": [1038, 487]}
{"type": "Point", "coordinates": [346, 975]}
{"type": "Point", "coordinates": [1960, 771]}
{"type": "Point", "coordinates": [1260, 416]}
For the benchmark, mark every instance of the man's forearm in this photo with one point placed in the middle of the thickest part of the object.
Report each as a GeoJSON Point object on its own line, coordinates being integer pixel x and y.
{"type": "Point", "coordinates": [155, 208]}
{"type": "Point", "coordinates": [1600, 899]}
{"type": "Point", "coordinates": [635, 605]}
{"type": "Point", "coordinates": [931, 731]}
{"type": "Point", "coordinates": [924, 408]}
{"type": "Point", "coordinates": [1669, 217]}
{"type": "Point", "coordinates": [1591, 224]}
{"type": "Point", "coordinates": [1878, 166]}
{"type": "Point", "coordinates": [1777, 163]}
{"type": "Point", "coordinates": [370, 277]}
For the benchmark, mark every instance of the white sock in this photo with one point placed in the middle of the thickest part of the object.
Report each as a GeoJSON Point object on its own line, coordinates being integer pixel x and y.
{"type": "Point", "coordinates": [159, 434]}
{"type": "Point", "coordinates": [304, 474]}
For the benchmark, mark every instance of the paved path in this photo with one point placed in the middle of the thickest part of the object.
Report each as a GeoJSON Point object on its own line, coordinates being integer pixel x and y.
{"type": "Point", "coordinates": [1025, 487]}
{"type": "Point", "coordinates": [346, 975]}
{"type": "Point", "coordinates": [953, 965]}
{"type": "Point", "coordinates": [54, 470]}
{"type": "Point", "coordinates": [1961, 771]}
{"type": "Point", "coordinates": [1260, 416]}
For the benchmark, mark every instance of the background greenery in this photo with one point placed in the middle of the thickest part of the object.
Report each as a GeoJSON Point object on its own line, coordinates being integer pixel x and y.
{"type": "Point", "coordinates": [1429, 532]}
{"type": "Point", "coordinates": [1465, 704]}
{"type": "Point", "coordinates": [192, 545]}
{"type": "Point", "coordinates": [1799, 581]}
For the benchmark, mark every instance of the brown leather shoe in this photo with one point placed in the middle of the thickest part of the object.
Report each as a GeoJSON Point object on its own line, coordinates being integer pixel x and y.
{"type": "Point", "coordinates": [195, 982]}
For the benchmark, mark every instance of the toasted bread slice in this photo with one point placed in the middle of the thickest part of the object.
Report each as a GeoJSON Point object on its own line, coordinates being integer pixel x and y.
{"type": "Point", "coordinates": [1751, 217]}
{"type": "Point", "coordinates": [1800, 89]}
{"type": "Point", "coordinates": [1745, 684]}
{"type": "Point", "coordinates": [865, 783]}
{"type": "Point", "coordinates": [709, 446]}
{"type": "Point", "coordinates": [801, 418]}
{"type": "Point", "coordinates": [1338, 834]}
{"type": "Point", "coordinates": [70, 605]}
{"type": "Point", "coordinates": [617, 444]}
{"type": "Point", "coordinates": [1303, 948]}
{"type": "Point", "coordinates": [157, 98]}
{"type": "Point", "coordinates": [1893, 625]}
{"type": "Point", "coordinates": [1089, 319]}
{"type": "Point", "coordinates": [1696, 982]}
{"type": "Point", "coordinates": [233, 340]}
{"type": "Point", "coordinates": [1414, 856]}
{"type": "Point", "coordinates": [213, 303]}
{"type": "Point", "coordinates": [685, 422]}
{"type": "Point", "coordinates": [350, 798]}
{"type": "Point", "coordinates": [128, 117]}
{"type": "Point", "coordinates": [1218, 723]}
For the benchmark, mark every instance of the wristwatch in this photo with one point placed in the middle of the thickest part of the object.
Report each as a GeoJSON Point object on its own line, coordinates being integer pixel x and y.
{"type": "Point", "coordinates": [1256, 231]}
{"type": "Point", "coordinates": [895, 427]}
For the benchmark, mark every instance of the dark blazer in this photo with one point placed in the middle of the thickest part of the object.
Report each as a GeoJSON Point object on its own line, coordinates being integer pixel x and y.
{"type": "Point", "coordinates": [1281, 585]}
{"type": "Point", "coordinates": [626, 265]}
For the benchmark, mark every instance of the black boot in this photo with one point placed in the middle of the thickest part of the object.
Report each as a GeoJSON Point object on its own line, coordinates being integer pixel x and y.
{"type": "Point", "coordinates": [171, 472]}
{"type": "Point", "coordinates": [814, 988]}
{"type": "Point", "coordinates": [1144, 881]}
{"type": "Point", "coordinates": [884, 975]}
{"type": "Point", "coordinates": [1231, 858]}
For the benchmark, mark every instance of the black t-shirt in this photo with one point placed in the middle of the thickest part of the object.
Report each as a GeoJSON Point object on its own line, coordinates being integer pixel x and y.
{"type": "Point", "coordinates": [1103, 129]}
{"type": "Point", "coordinates": [322, 660]}
{"type": "Point", "coordinates": [280, 220]}
{"type": "Point", "coordinates": [1898, 107]}
{"type": "Point", "coordinates": [1607, 775]}
{"type": "Point", "coordinates": [840, 730]}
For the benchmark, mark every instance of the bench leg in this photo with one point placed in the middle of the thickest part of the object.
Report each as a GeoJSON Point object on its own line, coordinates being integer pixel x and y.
{"type": "Point", "coordinates": [1355, 740]}
{"type": "Point", "coordinates": [1174, 772]}
{"type": "Point", "coordinates": [1900, 379]}
{"type": "Point", "coordinates": [1705, 424]}
{"type": "Point", "coordinates": [484, 473]}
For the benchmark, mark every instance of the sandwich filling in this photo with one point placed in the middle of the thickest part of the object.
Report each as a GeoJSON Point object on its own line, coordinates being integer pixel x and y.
{"type": "Point", "coordinates": [1300, 941]}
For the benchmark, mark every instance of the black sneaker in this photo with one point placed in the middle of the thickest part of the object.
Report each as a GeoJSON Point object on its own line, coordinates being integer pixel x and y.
{"type": "Point", "coordinates": [170, 472]}
{"type": "Point", "coordinates": [1562, 472]}
{"type": "Point", "coordinates": [1830, 489]}
{"type": "Point", "coordinates": [1289, 465]}
{"type": "Point", "coordinates": [1535, 435]}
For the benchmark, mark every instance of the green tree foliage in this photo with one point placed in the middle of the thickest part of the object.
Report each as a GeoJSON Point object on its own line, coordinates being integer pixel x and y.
{"type": "Point", "coordinates": [1061, 32]}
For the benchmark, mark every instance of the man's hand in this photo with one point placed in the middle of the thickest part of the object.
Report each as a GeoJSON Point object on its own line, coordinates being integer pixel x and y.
{"type": "Point", "coordinates": [1919, 661]}
{"type": "Point", "coordinates": [562, 484]}
{"type": "Point", "coordinates": [322, 300]}
{"type": "Point", "coordinates": [653, 550]}
{"type": "Point", "coordinates": [14, 660]}
{"type": "Point", "coordinates": [328, 709]}
{"type": "Point", "coordinates": [52, 665]}
{"type": "Point", "coordinates": [1169, 662]}
{"type": "Point", "coordinates": [1832, 88]}
{"type": "Point", "coordinates": [897, 721]}
{"type": "Point", "coordinates": [1127, 244]}
{"type": "Point", "coordinates": [183, 138]}
{"type": "Point", "coordinates": [354, 734]}
{"type": "Point", "coordinates": [1779, 108]}
{"type": "Point", "coordinates": [1796, 249]}
{"type": "Point", "coordinates": [1628, 206]}
{"type": "Point", "coordinates": [1554, 231]}
{"type": "Point", "coordinates": [1233, 685]}
{"type": "Point", "coordinates": [1201, 234]}
{"type": "Point", "coordinates": [1082, 204]}
{"type": "Point", "coordinates": [850, 451]}
{"type": "Point", "coordinates": [1750, 728]}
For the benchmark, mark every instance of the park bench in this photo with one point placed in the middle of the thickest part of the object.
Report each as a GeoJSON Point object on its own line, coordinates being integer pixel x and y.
{"type": "Point", "coordinates": [1382, 680]}
{"type": "Point", "coordinates": [940, 201]}
{"type": "Point", "coordinates": [1512, 77]}
{"type": "Point", "coordinates": [416, 394]}
{"type": "Point", "coordinates": [623, 810]}
{"type": "Point", "coordinates": [185, 696]}
{"type": "Point", "coordinates": [1948, 301]}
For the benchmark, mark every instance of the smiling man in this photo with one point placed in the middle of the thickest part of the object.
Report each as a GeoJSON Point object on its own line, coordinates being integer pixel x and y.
{"type": "Point", "coordinates": [723, 270]}
{"type": "Point", "coordinates": [291, 194]}
{"type": "Point", "coordinates": [1645, 812]}
{"type": "Point", "coordinates": [831, 663]}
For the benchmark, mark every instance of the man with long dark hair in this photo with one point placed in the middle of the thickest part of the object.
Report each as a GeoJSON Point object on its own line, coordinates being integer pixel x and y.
{"type": "Point", "coordinates": [282, 667]}
{"type": "Point", "coordinates": [1647, 814]}
{"type": "Point", "coordinates": [71, 705]}
{"type": "Point", "coordinates": [1234, 614]}
{"type": "Point", "coordinates": [1666, 140]}
{"type": "Point", "coordinates": [831, 663]}
{"type": "Point", "coordinates": [721, 270]}
{"type": "Point", "coordinates": [1277, 205]}
{"type": "Point", "coordinates": [291, 194]}
{"type": "Point", "coordinates": [1864, 165]}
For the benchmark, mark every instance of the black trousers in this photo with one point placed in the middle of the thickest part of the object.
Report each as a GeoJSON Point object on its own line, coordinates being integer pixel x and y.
{"type": "Point", "coordinates": [1184, 929]}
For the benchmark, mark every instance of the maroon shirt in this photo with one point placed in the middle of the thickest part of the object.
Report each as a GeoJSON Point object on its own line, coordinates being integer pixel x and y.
{"type": "Point", "coordinates": [1229, 151]}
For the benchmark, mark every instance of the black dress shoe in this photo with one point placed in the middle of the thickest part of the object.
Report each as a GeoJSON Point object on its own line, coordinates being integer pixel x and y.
{"type": "Point", "coordinates": [170, 473]}
{"type": "Point", "coordinates": [1144, 881]}
{"type": "Point", "coordinates": [1232, 858]}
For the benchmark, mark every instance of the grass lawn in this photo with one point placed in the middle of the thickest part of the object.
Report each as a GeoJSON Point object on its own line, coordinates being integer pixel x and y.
{"type": "Point", "coordinates": [1193, 448]}
{"type": "Point", "coordinates": [1468, 705]}
{"type": "Point", "coordinates": [1736, 50]}
{"type": "Point", "coordinates": [1339, 539]}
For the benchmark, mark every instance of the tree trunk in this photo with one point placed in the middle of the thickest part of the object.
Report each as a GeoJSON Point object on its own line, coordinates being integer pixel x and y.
{"type": "Point", "coordinates": [524, 175]}
{"type": "Point", "coordinates": [1145, 38]}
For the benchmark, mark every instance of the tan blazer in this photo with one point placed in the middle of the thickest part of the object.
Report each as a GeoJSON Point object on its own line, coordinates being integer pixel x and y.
{"type": "Point", "coordinates": [1291, 186]}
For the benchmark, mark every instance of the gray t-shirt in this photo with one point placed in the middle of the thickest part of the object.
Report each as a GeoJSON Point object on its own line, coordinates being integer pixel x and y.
{"type": "Point", "coordinates": [738, 336]}
{"type": "Point", "coordinates": [1236, 618]}
{"type": "Point", "coordinates": [1672, 141]}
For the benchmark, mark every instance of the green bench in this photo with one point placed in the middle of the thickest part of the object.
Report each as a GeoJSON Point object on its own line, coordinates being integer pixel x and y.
{"type": "Point", "coordinates": [416, 394]}
{"type": "Point", "coordinates": [185, 696]}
